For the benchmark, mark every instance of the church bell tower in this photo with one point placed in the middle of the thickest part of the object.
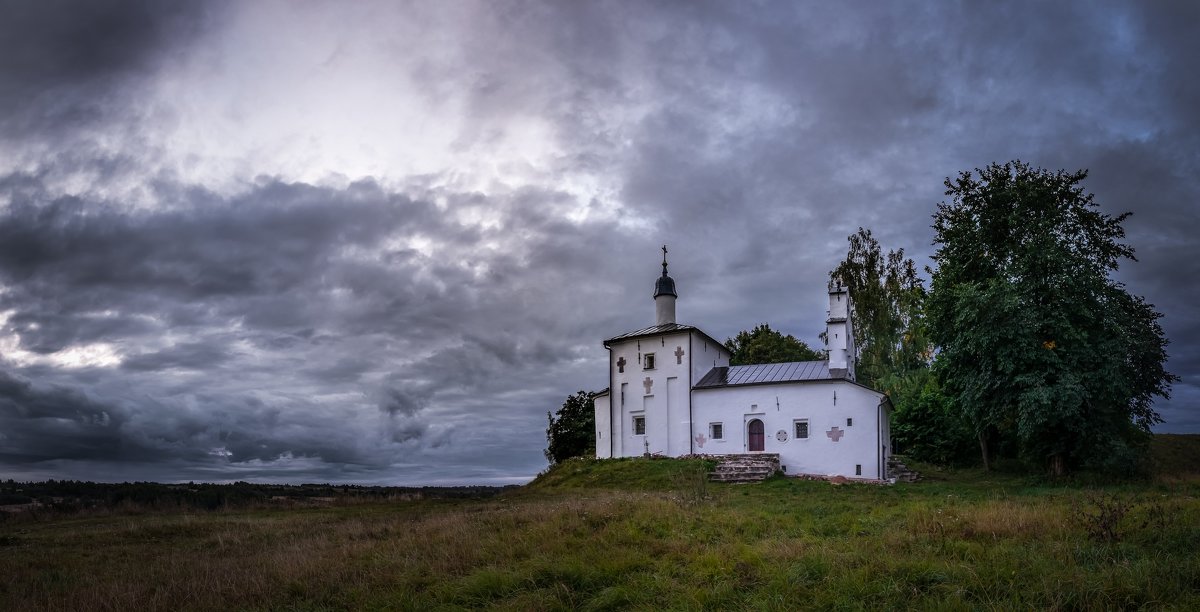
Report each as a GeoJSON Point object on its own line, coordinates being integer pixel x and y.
{"type": "Point", "coordinates": [839, 332]}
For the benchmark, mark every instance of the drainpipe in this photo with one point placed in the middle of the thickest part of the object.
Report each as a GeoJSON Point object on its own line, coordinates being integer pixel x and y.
{"type": "Point", "coordinates": [881, 461]}
{"type": "Point", "coordinates": [691, 420]}
{"type": "Point", "coordinates": [612, 449]}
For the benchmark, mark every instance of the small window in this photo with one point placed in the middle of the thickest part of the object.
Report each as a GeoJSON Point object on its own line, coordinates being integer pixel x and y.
{"type": "Point", "coordinates": [849, 422]}
{"type": "Point", "coordinates": [639, 425]}
{"type": "Point", "coordinates": [648, 361]}
{"type": "Point", "coordinates": [716, 431]}
{"type": "Point", "coordinates": [858, 469]}
{"type": "Point", "coordinates": [801, 429]}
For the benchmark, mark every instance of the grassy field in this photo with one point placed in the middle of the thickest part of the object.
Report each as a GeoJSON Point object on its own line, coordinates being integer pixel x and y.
{"type": "Point", "coordinates": [646, 535]}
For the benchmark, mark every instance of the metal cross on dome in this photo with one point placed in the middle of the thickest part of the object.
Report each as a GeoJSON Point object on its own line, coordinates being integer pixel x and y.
{"type": "Point", "coordinates": [835, 434]}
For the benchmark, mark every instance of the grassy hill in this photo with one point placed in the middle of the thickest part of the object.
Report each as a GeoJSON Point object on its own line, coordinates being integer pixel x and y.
{"type": "Point", "coordinates": [1176, 456]}
{"type": "Point", "coordinates": [644, 534]}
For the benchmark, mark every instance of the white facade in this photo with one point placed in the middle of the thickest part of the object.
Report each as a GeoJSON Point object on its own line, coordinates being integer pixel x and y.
{"type": "Point", "coordinates": [856, 417]}
{"type": "Point", "coordinates": [659, 393]}
{"type": "Point", "coordinates": [672, 393]}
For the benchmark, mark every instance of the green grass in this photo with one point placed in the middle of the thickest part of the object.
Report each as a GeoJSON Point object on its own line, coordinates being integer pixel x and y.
{"type": "Point", "coordinates": [1176, 455]}
{"type": "Point", "coordinates": [637, 534]}
{"type": "Point", "coordinates": [625, 474]}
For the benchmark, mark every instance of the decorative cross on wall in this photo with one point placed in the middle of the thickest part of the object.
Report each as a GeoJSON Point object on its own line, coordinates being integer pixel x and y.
{"type": "Point", "coordinates": [679, 354]}
{"type": "Point", "coordinates": [647, 384]}
{"type": "Point", "coordinates": [621, 365]}
{"type": "Point", "coordinates": [835, 434]}
{"type": "Point", "coordinates": [700, 440]}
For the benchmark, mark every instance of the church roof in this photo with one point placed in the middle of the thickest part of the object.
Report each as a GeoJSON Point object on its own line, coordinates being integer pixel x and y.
{"type": "Point", "coordinates": [655, 330]}
{"type": "Point", "coordinates": [763, 373]}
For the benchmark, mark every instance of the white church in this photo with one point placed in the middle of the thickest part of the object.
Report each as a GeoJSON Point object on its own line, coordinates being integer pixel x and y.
{"type": "Point", "coordinates": [673, 393]}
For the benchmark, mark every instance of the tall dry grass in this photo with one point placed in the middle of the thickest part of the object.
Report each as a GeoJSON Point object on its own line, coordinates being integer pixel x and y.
{"type": "Point", "coordinates": [780, 545]}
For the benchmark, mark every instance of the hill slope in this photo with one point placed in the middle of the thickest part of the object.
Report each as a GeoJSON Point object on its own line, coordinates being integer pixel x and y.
{"type": "Point", "coordinates": [636, 534]}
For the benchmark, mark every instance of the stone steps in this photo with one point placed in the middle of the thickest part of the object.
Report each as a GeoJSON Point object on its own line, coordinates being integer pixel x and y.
{"type": "Point", "coordinates": [745, 468]}
{"type": "Point", "coordinates": [896, 469]}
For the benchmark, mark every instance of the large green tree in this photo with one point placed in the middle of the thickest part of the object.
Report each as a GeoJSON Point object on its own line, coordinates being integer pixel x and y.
{"type": "Point", "coordinates": [765, 345]}
{"type": "Point", "coordinates": [925, 423]}
{"type": "Point", "coordinates": [1038, 345]}
{"type": "Point", "coordinates": [888, 295]}
{"type": "Point", "coordinates": [572, 430]}
{"type": "Point", "coordinates": [894, 350]}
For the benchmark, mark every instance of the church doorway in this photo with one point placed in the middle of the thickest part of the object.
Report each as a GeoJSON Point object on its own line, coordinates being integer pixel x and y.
{"type": "Point", "coordinates": [757, 436]}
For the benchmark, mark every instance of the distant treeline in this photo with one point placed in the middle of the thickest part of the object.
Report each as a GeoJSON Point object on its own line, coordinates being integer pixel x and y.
{"type": "Point", "coordinates": [74, 495]}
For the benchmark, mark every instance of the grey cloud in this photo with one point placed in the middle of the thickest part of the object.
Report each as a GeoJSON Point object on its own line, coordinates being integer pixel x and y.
{"type": "Point", "coordinates": [67, 63]}
{"type": "Point", "coordinates": [405, 402]}
{"type": "Point", "coordinates": [408, 429]}
{"type": "Point", "coordinates": [57, 423]}
{"type": "Point", "coordinates": [289, 330]}
{"type": "Point", "coordinates": [220, 252]}
{"type": "Point", "coordinates": [255, 329]}
{"type": "Point", "coordinates": [191, 355]}
{"type": "Point", "coordinates": [60, 422]}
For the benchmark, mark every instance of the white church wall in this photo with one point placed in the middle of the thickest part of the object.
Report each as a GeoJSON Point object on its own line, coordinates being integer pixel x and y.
{"type": "Point", "coordinates": [779, 407]}
{"type": "Point", "coordinates": [706, 355]}
{"type": "Point", "coordinates": [603, 405]}
{"type": "Point", "coordinates": [655, 438]}
{"type": "Point", "coordinates": [658, 394]}
{"type": "Point", "coordinates": [678, 424]}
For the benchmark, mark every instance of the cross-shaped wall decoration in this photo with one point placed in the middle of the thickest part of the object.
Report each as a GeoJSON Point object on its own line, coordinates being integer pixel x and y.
{"type": "Point", "coordinates": [621, 365]}
{"type": "Point", "coordinates": [647, 384]}
{"type": "Point", "coordinates": [679, 354]}
{"type": "Point", "coordinates": [835, 434]}
{"type": "Point", "coordinates": [700, 440]}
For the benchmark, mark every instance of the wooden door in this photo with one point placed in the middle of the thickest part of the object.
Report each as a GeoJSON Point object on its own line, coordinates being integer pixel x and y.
{"type": "Point", "coordinates": [756, 435]}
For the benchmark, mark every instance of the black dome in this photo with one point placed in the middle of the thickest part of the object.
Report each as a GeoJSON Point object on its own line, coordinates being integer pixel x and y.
{"type": "Point", "coordinates": [665, 286]}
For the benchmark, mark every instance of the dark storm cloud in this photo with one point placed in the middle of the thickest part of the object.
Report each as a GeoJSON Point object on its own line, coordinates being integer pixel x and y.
{"type": "Point", "coordinates": [60, 423]}
{"type": "Point", "coordinates": [67, 64]}
{"type": "Point", "coordinates": [63, 423]}
{"type": "Point", "coordinates": [290, 323]}
{"type": "Point", "coordinates": [384, 330]}
{"type": "Point", "coordinates": [405, 402]}
{"type": "Point", "coordinates": [222, 259]}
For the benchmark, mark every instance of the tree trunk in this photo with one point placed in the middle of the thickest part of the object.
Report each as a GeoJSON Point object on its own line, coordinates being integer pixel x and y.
{"type": "Point", "coordinates": [1058, 465]}
{"type": "Point", "coordinates": [983, 447]}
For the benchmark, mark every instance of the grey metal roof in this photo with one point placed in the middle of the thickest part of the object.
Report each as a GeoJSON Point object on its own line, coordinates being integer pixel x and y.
{"type": "Point", "coordinates": [653, 330]}
{"type": "Point", "coordinates": [795, 371]}
{"type": "Point", "coordinates": [667, 328]}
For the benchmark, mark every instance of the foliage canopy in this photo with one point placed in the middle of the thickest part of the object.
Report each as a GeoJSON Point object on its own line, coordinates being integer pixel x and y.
{"type": "Point", "coordinates": [887, 295]}
{"type": "Point", "coordinates": [1038, 345]}
{"type": "Point", "coordinates": [894, 350]}
{"type": "Point", "coordinates": [572, 433]}
{"type": "Point", "coordinates": [765, 345]}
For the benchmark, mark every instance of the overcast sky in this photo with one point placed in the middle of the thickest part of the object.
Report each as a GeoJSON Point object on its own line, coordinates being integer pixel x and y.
{"type": "Point", "coordinates": [376, 241]}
